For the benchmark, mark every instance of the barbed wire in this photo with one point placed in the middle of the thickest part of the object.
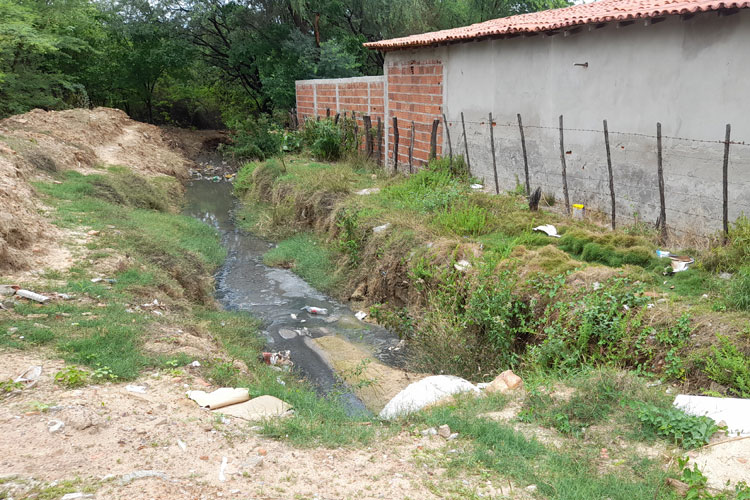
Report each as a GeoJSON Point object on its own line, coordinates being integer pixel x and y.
{"type": "Point", "coordinates": [611, 132]}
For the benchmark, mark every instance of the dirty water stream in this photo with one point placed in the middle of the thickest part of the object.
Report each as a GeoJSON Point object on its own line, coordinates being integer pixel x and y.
{"type": "Point", "coordinates": [277, 296]}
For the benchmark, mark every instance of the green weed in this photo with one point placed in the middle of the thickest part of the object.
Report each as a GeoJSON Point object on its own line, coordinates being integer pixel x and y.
{"type": "Point", "coordinates": [72, 377]}
{"type": "Point", "coordinates": [465, 219]}
{"type": "Point", "coordinates": [728, 366]}
{"type": "Point", "coordinates": [685, 430]}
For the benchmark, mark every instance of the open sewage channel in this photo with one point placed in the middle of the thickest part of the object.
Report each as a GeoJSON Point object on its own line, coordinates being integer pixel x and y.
{"type": "Point", "coordinates": [278, 296]}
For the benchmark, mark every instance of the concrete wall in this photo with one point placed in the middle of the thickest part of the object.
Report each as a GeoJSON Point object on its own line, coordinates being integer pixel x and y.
{"type": "Point", "coordinates": [691, 75]}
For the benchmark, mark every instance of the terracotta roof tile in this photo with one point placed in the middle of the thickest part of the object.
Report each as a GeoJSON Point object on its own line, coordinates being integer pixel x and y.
{"type": "Point", "coordinates": [597, 12]}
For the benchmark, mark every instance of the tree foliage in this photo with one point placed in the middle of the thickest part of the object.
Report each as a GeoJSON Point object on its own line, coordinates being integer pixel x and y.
{"type": "Point", "coordinates": [192, 61]}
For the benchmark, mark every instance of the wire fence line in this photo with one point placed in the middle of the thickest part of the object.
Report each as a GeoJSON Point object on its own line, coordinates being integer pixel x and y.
{"type": "Point", "coordinates": [708, 202]}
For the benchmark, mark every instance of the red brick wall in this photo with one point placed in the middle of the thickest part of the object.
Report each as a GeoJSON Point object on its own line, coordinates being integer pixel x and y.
{"type": "Point", "coordinates": [415, 93]}
{"type": "Point", "coordinates": [364, 96]}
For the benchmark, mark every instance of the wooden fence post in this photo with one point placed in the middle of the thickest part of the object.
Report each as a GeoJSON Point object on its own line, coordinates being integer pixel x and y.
{"type": "Point", "coordinates": [525, 157]}
{"type": "Point", "coordinates": [368, 137]}
{"type": "Point", "coordinates": [433, 139]}
{"type": "Point", "coordinates": [660, 173]}
{"type": "Point", "coordinates": [336, 120]}
{"type": "Point", "coordinates": [466, 143]}
{"type": "Point", "coordinates": [448, 137]}
{"type": "Point", "coordinates": [356, 131]}
{"type": "Point", "coordinates": [725, 184]}
{"type": "Point", "coordinates": [395, 144]}
{"type": "Point", "coordinates": [564, 169]}
{"type": "Point", "coordinates": [411, 149]}
{"type": "Point", "coordinates": [380, 142]}
{"type": "Point", "coordinates": [328, 112]}
{"type": "Point", "coordinates": [609, 170]}
{"type": "Point", "coordinates": [494, 162]}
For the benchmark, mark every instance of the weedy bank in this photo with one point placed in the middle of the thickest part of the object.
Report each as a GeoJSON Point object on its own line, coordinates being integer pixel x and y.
{"type": "Point", "coordinates": [141, 299]}
{"type": "Point", "coordinates": [464, 278]}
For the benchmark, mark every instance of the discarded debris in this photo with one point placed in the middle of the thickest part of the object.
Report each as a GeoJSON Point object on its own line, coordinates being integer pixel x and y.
{"type": "Point", "coordinates": [182, 444]}
{"type": "Point", "coordinates": [462, 265]}
{"type": "Point", "coordinates": [680, 263]}
{"type": "Point", "coordinates": [141, 474]}
{"type": "Point", "coordinates": [222, 469]}
{"type": "Point", "coordinates": [281, 358]}
{"type": "Point", "coordinates": [140, 389]}
{"type": "Point", "coordinates": [732, 411]}
{"type": "Point", "coordinates": [477, 186]}
{"type": "Point", "coordinates": [27, 294]}
{"type": "Point", "coordinates": [258, 408]}
{"type": "Point", "coordinates": [76, 495]}
{"type": "Point", "coordinates": [7, 290]}
{"type": "Point", "coordinates": [425, 392]}
{"type": "Point", "coordinates": [360, 315]}
{"type": "Point", "coordinates": [367, 191]}
{"type": "Point", "coordinates": [430, 432]}
{"type": "Point", "coordinates": [548, 229]}
{"type": "Point", "coordinates": [321, 311]}
{"type": "Point", "coordinates": [444, 431]}
{"type": "Point", "coordinates": [380, 229]}
{"type": "Point", "coordinates": [30, 377]}
{"type": "Point", "coordinates": [195, 364]}
{"type": "Point", "coordinates": [55, 426]}
{"type": "Point", "coordinates": [219, 398]}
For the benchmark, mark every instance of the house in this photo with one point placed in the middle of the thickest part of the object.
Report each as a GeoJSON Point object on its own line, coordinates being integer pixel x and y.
{"type": "Point", "coordinates": [635, 63]}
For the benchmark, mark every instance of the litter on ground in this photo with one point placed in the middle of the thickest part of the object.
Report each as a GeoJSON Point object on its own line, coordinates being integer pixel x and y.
{"type": "Point", "coordinates": [548, 229]}
{"type": "Point", "coordinates": [360, 315]}
{"type": "Point", "coordinates": [321, 311]}
{"type": "Point", "coordinates": [27, 294]}
{"type": "Point", "coordinates": [219, 398]}
{"type": "Point", "coordinates": [425, 392]}
{"type": "Point", "coordinates": [30, 377]}
{"type": "Point", "coordinates": [257, 408]}
{"type": "Point", "coordinates": [281, 358]}
{"type": "Point", "coordinates": [733, 412]}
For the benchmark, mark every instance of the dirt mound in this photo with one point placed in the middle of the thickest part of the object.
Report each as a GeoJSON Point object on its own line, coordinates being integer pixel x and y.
{"type": "Point", "coordinates": [39, 143]}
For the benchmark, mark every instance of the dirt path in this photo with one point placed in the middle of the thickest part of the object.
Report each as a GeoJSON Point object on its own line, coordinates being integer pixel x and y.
{"type": "Point", "coordinates": [110, 433]}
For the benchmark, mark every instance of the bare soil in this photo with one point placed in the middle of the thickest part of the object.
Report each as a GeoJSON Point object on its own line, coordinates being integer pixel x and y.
{"type": "Point", "coordinates": [39, 143]}
{"type": "Point", "coordinates": [110, 432]}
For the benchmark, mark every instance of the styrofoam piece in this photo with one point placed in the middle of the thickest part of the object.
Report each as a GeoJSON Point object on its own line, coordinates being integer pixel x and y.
{"type": "Point", "coordinates": [734, 412]}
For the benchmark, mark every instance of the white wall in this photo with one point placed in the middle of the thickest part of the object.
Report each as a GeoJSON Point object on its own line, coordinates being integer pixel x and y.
{"type": "Point", "coordinates": [693, 76]}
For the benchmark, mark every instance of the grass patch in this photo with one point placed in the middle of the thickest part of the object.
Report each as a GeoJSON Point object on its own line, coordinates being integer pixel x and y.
{"type": "Point", "coordinates": [487, 445]}
{"type": "Point", "coordinates": [307, 256]}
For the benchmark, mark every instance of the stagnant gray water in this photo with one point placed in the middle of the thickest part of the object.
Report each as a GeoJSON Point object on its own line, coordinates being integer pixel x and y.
{"type": "Point", "coordinates": [274, 295]}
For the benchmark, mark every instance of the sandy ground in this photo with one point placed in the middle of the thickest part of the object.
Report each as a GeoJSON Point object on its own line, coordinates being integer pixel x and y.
{"type": "Point", "coordinates": [38, 143]}
{"type": "Point", "coordinates": [110, 432]}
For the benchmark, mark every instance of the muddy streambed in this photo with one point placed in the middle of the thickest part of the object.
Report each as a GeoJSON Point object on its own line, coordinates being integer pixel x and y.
{"type": "Point", "coordinates": [276, 296]}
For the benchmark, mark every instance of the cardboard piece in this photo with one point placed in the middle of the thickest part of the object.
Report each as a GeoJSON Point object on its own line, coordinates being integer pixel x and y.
{"type": "Point", "coordinates": [257, 408]}
{"type": "Point", "coordinates": [219, 398]}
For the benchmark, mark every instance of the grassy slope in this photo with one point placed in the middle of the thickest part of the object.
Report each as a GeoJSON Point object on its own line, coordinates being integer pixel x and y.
{"type": "Point", "coordinates": [159, 242]}
{"type": "Point", "coordinates": [685, 327]}
{"type": "Point", "coordinates": [154, 253]}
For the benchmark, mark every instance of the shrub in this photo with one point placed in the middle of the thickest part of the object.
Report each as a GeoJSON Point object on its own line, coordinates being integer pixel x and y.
{"type": "Point", "coordinates": [329, 141]}
{"type": "Point", "coordinates": [734, 255]}
{"type": "Point", "coordinates": [729, 367]}
{"type": "Point", "coordinates": [254, 138]}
